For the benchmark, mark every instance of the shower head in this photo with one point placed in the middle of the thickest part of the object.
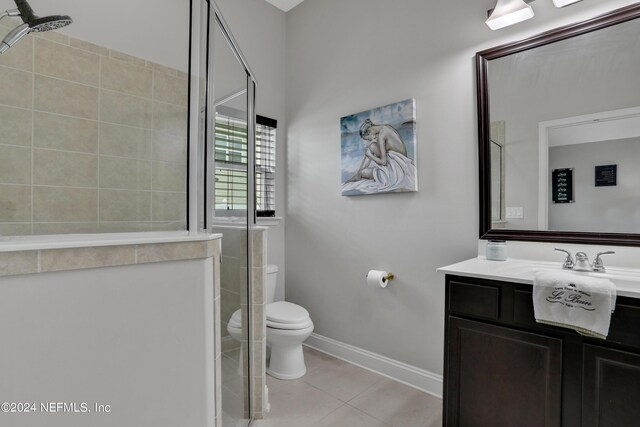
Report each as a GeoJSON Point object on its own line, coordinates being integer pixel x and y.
{"type": "Point", "coordinates": [48, 23]}
{"type": "Point", "coordinates": [38, 24]}
{"type": "Point", "coordinates": [32, 23]}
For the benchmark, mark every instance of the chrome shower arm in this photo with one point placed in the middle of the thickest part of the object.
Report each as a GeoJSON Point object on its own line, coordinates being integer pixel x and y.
{"type": "Point", "coordinates": [10, 12]}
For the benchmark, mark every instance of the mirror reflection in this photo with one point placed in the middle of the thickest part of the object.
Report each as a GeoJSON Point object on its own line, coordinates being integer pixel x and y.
{"type": "Point", "coordinates": [565, 134]}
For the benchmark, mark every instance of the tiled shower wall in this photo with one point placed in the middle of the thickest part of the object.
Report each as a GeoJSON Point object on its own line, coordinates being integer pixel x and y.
{"type": "Point", "coordinates": [91, 140]}
{"type": "Point", "coordinates": [233, 296]}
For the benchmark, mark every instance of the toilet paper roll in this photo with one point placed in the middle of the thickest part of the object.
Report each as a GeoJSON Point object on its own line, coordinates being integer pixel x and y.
{"type": "Point", "coordinates": [377, 278]}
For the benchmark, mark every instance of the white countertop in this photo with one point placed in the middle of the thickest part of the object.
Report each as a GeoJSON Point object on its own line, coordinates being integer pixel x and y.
{"type": "Point", "coordinates": [627, 280]}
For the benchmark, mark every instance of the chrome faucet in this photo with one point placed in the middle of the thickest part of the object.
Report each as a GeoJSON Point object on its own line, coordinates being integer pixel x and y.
{"type": "Point", "coordinates": [568, 261]}
{"type": "Point", "coordinates": [582, 261]}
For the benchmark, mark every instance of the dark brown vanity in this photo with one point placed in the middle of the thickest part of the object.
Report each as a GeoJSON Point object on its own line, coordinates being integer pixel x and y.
{"type": "Point", "coordinates": [502, 369]}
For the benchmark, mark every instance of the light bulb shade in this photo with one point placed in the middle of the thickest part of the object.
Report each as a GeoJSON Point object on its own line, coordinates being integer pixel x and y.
{"type": "Point", "coordinates": [509, 12]}
{"type": "Point", "coordinates": [563, 3]}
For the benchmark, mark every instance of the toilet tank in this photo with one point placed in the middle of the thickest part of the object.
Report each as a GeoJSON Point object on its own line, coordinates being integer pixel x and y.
{"type": "Point", "coordinates": [272, 280]}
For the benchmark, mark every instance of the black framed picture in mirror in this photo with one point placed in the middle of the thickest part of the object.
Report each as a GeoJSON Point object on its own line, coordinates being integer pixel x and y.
{"type": "Point", "coordinates": [564, 99]}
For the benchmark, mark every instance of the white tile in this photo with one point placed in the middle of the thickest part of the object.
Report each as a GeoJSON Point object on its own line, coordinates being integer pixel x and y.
{"type": "Point", "coordinates": [400, 405]}
{"type": "Point", "coordinates": [230, 376]}
{"type": "Point", "coordinates": [232, 408]}
{"type": "Point", "coordinates": [315, 359]}
{"type": "Point", "coordinates": [296, 404]}
{"type": "Point", "coordinates": [384, 403]}
{"type": "Point", "coordinates": [347, 416]}
{"type": "Point", "coordinates": [341, 380]}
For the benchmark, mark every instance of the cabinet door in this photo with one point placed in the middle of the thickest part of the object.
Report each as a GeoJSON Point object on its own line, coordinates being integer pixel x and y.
{"type": "Point", "coordinates": [611, 388]}
{"type": "Point", "coordinates": [501, 377]}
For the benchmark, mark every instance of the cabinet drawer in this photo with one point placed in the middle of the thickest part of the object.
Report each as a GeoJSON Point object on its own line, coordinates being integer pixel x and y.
{"type": "Point", "coordinates": [625, 321]}
{"type": "Point", "coordinates": [625, 325]}
{"type": "Point", "coordinates": [474, 300]}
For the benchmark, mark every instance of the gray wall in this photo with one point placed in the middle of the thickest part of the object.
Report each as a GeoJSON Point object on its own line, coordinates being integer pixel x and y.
{"type": "Point", "coordinates": [134, 337]}
{"type": "Point", "coordinates": [348, 56]}
{"type": "Point", "coordinates": [259, 29]}
{"type": "Point", "coordinates": [157, 30]}
{"type": "Point", "coordinates": [608, 209]}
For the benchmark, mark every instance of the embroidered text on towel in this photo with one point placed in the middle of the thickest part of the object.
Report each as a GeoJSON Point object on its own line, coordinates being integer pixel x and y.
{"type": "Point", "coordinates": [571, 297]}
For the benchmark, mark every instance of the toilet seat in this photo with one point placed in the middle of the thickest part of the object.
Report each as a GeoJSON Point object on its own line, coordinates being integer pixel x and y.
{"type": "Point", "coordinates": [236, 319]}
{"type": "Point", "coordinates": [286, 313]}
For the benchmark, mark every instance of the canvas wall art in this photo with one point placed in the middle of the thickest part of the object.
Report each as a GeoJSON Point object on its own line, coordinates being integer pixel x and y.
{"type": "Point", "coordinates": [379, 150]}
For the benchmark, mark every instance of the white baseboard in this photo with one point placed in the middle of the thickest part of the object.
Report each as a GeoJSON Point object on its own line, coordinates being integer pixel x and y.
{"type": "Point", "coordinates": [410, 375]}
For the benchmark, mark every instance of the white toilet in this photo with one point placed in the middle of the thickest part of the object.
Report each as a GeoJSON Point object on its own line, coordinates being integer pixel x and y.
{"type": "Point", "coordinates": [288, 326]}
{"type": "Point", "coordinates": [234, 327]}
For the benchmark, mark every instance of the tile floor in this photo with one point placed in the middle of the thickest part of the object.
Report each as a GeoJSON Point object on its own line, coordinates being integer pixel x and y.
{"type": "Point", "coordinates": [232, 390]}
{"type": "Point", "coordinates": [337, 394]}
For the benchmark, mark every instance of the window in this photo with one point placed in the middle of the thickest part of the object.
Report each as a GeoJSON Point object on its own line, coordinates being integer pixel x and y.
{"type": "Point", "coordinates": [266, 166]}
{"type": "Point", "coordinates": [231, 164]}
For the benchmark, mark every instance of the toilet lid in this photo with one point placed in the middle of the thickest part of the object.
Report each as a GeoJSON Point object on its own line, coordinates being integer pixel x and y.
{"type": "Point", "coordinates": [289, 326]}
{"type": "Point", "coordinates": [286, 313]}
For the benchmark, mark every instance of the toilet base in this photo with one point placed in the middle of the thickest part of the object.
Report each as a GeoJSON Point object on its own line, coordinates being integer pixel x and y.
{"type": "Point", "coordinates": [287, 362]}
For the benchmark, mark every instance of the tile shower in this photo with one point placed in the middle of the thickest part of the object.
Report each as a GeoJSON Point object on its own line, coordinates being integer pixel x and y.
{"type": "Point", "coordinates": [233, 296]}
{"type": "Point", "coordinates": [93, 140]}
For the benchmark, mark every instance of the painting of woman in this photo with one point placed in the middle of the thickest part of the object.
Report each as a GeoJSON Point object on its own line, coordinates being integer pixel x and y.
{"type": "Point", "coordinates": [384, 160]}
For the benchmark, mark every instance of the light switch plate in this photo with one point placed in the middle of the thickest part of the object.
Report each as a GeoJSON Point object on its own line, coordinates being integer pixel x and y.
{"type": "Point", "coordinates": [515, 213]}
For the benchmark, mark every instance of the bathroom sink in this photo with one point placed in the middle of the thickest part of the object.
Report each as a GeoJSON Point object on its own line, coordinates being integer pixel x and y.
{"type": "Point", "coordinates": [627, 281]}
{"type": "Point", "coordinates": [624, 279]}
{"type": "Point", "coordinates": [524, 268]}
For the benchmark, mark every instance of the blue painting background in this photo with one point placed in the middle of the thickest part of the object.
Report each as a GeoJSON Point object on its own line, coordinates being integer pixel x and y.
{"type": "Point", "coordinates": [400, 115]}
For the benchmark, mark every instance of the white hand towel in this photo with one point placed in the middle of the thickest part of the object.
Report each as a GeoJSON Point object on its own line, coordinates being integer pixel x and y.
{"type": "Point", "coordinates": [574, 301]}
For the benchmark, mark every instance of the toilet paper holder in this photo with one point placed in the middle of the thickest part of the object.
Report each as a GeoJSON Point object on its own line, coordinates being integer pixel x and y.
{"type": "Point", "coordinates": [387, 277]}
{"type": "Point", "coordinates": [379, 278]}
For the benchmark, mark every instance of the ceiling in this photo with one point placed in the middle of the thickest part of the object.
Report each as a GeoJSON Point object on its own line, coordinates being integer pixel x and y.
{"type": "Point", "coordinates": [285, 5]}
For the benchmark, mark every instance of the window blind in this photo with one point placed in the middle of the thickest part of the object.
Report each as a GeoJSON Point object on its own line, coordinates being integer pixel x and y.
{"type": "Point", "coordinates": [266, 166]}
{"type": "Point", "coordinates": [231, 166]}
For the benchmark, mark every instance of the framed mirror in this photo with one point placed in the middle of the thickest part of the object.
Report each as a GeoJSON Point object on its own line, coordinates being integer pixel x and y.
{"type": "Point", "coordinates": [559, 134]}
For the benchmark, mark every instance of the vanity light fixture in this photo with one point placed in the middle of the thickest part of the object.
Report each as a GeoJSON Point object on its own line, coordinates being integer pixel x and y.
{"type": "Point", "coordinates": [563, 3]}
{"type": "Point", "coordinates": [509, 12]}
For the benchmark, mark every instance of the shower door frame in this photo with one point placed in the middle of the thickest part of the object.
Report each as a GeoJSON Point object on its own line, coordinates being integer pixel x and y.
{"type": "Point", "coordinates": [204, 15]}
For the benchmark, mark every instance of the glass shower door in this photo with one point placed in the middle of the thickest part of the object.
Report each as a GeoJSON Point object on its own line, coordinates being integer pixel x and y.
{"type": "Point", "coordinates": [230, 206]}
{"type": "Point", "coordinates": [229, 144]}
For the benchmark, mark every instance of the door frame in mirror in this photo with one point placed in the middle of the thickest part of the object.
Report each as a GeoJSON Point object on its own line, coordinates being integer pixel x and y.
{"type": "Point", "coordinates": [484, 132]}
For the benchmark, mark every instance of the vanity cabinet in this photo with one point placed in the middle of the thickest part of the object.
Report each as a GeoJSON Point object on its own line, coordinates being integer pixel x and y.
{"type": "Point", "coordinates": [501, 375]}
{"type": "Point", "coordinates": [502, 368]}
{"type": "Point", "coordinates": [611, 387]}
